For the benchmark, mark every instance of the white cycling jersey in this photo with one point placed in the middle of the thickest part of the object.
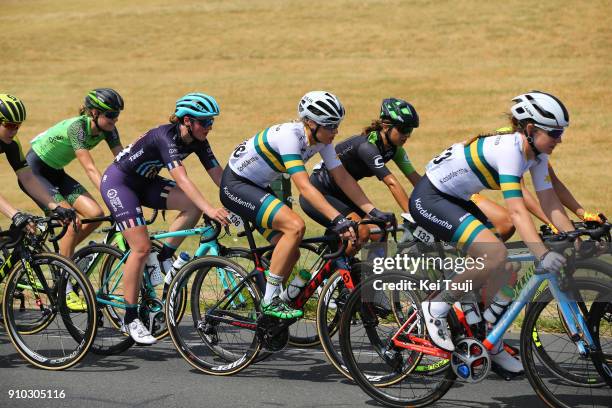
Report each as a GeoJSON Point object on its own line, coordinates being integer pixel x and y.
{"type": "Point", "coordinates": [278, 149]}
{"type": "Point", "coordinates": [493, 162]}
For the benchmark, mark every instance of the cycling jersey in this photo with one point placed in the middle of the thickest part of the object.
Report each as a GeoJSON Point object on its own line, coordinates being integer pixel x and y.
{"type": "Point", "coordinates": [162, 147]}
{"type": "Point", "coordinates": [57, 145]}
{"type": "Point", "coordinates": [366, 156]}
{"type": "Point", "coordinates": [14, 154]}
{"type": "Point", "coordinates": [133, 178]}
{"type": "Point", "coordinates": [278, 149]}
{"type": "Point", "coordinates": [494, 162]}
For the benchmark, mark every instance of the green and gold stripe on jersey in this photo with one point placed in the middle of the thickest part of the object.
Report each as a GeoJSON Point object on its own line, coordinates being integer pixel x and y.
{"type": "Point", "coordinates": [474, 155]}
{"type": "Point", "coordinates": [510, 186]}
{"type": "Point", "coordinates": [288, 163]}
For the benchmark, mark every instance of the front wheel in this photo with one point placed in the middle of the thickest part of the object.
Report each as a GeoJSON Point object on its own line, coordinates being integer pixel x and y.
{"type": "Point", "coordinates": [65, 339]}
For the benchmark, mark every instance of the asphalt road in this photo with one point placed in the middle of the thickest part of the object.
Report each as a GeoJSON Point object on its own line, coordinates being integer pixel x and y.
{"type": "Point", "coordinates": [157, 376]}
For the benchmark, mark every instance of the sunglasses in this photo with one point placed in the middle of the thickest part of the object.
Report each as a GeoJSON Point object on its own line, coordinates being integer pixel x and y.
{"type": "Point", "coordinates": [552, 132]}
{"type": "Point", "coordinates": [405, 130]}
{"type": "Point", "coordinates": [205, 123]}
{"type": "Point", "coordinates": [331, 127]}
{"type": "Point", "coordinates": [11, 125]}
{"type": "Point", "coordinates": [111, 114]}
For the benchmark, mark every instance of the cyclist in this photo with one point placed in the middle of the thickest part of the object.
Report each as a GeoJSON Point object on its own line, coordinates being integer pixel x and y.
{"type": "Point", "coordinates": [12, 115]}
{"type": "Point", "coordinates": [440, 203]}
{"type": "Point", "coordinates": [133, 180]}
{"type": "Point", "coordinates": [285, 147]}
{"type": "Point", "coordinates": [366, 155]}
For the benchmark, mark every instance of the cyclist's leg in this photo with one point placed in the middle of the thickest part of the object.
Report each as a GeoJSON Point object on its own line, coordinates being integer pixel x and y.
{"type": "Point", "coordinates": [87, 207]}
{"type": "Point", "coordinates": [499, 216]}
{"type": "Point", "coordinates": [124, 205]}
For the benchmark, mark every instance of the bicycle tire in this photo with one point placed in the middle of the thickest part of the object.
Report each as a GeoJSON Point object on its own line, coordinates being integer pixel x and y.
{"type": "Point", "coordinates": [204, 341]}
{"type": "Point", "coordinates": [81, 326]}
{"type": "Point", "coordinates": [554, 383]}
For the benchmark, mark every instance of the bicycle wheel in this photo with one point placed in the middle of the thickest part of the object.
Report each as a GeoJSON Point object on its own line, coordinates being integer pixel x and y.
{"type": "Point", "coordinates": [382, 367]}
{"type": "Point", "coordinates": [220, 337]}
{"type": "Point", "coordinates": [67, 337]}
{"type": "Point", "coordinates": [600, 325]}
{"type": "Point", "coordinates": [555, 369]}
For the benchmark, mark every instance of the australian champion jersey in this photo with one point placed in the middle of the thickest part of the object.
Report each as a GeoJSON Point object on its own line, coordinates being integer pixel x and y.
{"type": "Point", "coordinates": [493, 162]}
{"type": "Point", "coordinates": [278, 149]}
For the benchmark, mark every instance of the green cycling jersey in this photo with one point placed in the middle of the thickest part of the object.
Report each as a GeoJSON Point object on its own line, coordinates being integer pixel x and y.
{"type": "Point", "coordinates": [57, 145]}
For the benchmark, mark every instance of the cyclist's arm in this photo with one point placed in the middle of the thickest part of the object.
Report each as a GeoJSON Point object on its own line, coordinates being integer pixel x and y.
{"type": "Point", "coordinates": [6, 208]}
{"type": "Point", "coordinates": [554, 210]}
{"type": "Point", "coordinates": [566, 197]}
{"type": "Point", "coordinates": [349, 186]}
{"type": "Point", "coordinates": [405, 165]}
{"type": "Point", "coordinates": [521, 218]}
{"type": "Point", "coordinates": [35, 188]}
{"type": "Point", "coordinates": [397, 190]}
{"type": "Point", "coordinates": [116, 150]}
{"type": "Point", "coordinates": [179, 174]}
{"type": "Point", "coordinates": [313, 196]}
{"type": "Point", "coordinates": [215, 174]}
{"type": "Point", "coordinates": [532, 204]}
{"type": "Point", "coordinates": [89, 166]}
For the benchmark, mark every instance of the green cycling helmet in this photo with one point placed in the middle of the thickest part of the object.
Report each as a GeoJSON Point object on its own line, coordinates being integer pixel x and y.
{"type": "Point", "coordinates": [104, 99]}
{"type": "Point", "coordinates": [11, 109]}
{"type": "Point", "coordinates": [399, 113]}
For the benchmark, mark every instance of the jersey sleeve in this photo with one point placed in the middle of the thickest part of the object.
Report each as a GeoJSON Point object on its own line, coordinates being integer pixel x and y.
{"type": "Point", "coordinates": [289, 150]}
{"type": "Point", "coordinates": [168, 151]}
{"type": "Point", "coordinates": [206, 156]}
{"type": "Point", "coordinates": [330, 158]}
{"type": "Point", "coordinates": [510, 169]}
{"type": "Point", "coordinates": [369, 154]}
{"type": "Point", "coordinates": [76, 134]}
{"type": "Point", "coordinates": [112, 139]}
{"type": "Point", "coordinates": [540, 175]}
{"type": "Point", "coordinates": [403, 162]}
{"type": "Point", "coordinates": [15, 156]}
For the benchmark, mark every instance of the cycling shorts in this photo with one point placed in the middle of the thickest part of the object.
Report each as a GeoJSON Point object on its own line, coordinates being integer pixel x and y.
{"type": "Point", "coordinates": [125, 194]}
{"type": "Point", "coordinates": [59, 185]}
{"type": "Point", "coordinates": [321, 180]}
{"type": "Point", "coordinates": [448, 218]}
{"type": "Point", "coordinates": [250, 201]}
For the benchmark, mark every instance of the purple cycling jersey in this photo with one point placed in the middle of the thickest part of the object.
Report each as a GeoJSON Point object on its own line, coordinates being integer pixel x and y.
{"type": "Point", "coordinates": [162, 147]}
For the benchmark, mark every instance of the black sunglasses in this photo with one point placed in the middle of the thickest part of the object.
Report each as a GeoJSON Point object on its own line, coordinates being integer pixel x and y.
{"type": "Point", "coordinates": [406, 130]}
{"type": "Point", "coordinates": [554, 133]}
{"type": "Point", "coordinates": [111, 114]}
{"type": "Point", "coordinates": [331, 127]}
{"type": "Point", "coordinates": [205, 123]}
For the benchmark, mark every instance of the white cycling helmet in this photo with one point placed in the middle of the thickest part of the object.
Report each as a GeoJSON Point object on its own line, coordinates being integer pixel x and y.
{"type": "Point", "coordinates": [543, 109]}
{"type": "Point", "coordinates": [322, 107]}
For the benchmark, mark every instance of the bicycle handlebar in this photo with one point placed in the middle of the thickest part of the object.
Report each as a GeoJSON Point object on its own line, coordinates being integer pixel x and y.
{"type": "Point", "coordinates": [216, 230]}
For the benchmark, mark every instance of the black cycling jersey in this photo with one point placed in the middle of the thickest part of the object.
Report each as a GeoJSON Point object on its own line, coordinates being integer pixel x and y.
{"type": "Point", "coordinates": [14, 154]}
{"type": "Point", "coordinates": [162, 147]}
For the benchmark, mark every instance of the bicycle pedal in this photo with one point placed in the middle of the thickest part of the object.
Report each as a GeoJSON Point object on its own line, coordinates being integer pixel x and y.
{"type": "Point", "coordinates": [505, 374]}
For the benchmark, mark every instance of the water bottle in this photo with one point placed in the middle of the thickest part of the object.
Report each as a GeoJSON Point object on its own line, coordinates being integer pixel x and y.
{"type": "Point", "coordinates": [181, 260]}
{"type": "Point", "coordinates": [295, 286]}
{"type": "Point", "coordinates": [153, 269]}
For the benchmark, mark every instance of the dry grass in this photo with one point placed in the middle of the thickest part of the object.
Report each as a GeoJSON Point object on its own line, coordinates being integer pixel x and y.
{"type": "Point", "coordinates": [459, 63]}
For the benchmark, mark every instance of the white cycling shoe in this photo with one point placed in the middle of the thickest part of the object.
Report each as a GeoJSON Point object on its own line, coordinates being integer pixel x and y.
{"type": "Point", "coordinates": [437, 327]}
{"type": "Point", "coordinates": [137, 331]}
{"type": "Point", "coordinates": [508, 362]}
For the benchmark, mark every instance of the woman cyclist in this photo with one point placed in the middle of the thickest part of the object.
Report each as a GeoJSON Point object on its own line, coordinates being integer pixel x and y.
{"type": "Point", "coordinates": [12, 115]}
{"type": "Point", "coordinates": [440, 203]}
{"type": "Point", "coordinates": [258, 161]}
{"type": "Point", "coordinates": [366, 155]}
{"type": "Point", "coordinates": [133, 180]}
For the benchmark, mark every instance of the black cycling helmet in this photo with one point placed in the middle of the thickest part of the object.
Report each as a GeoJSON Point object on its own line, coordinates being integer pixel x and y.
{"type": "Point", "coordinates": [399, 113]}
{"type": "Point", "coordinates": [11, 109]}
{"type": "Point", "coordinates": [104, 99]}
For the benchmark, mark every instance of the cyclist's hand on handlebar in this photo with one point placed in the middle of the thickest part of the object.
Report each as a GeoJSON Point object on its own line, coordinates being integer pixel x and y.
{"type": "Point", "coordinates": [344, 227]}
{"type": "Point", "coordinates": [23, 219]}
{"type": "Point", "coordinates": [219, 214]}
{"type": "Point", "coordinates": [387, 217]}
{"type": "Point", "coordinates": [66, 215]}
{"type": "Point", "coordinates": [588, 216]}
{"type": "Point", "coordinates": [552, 261]}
